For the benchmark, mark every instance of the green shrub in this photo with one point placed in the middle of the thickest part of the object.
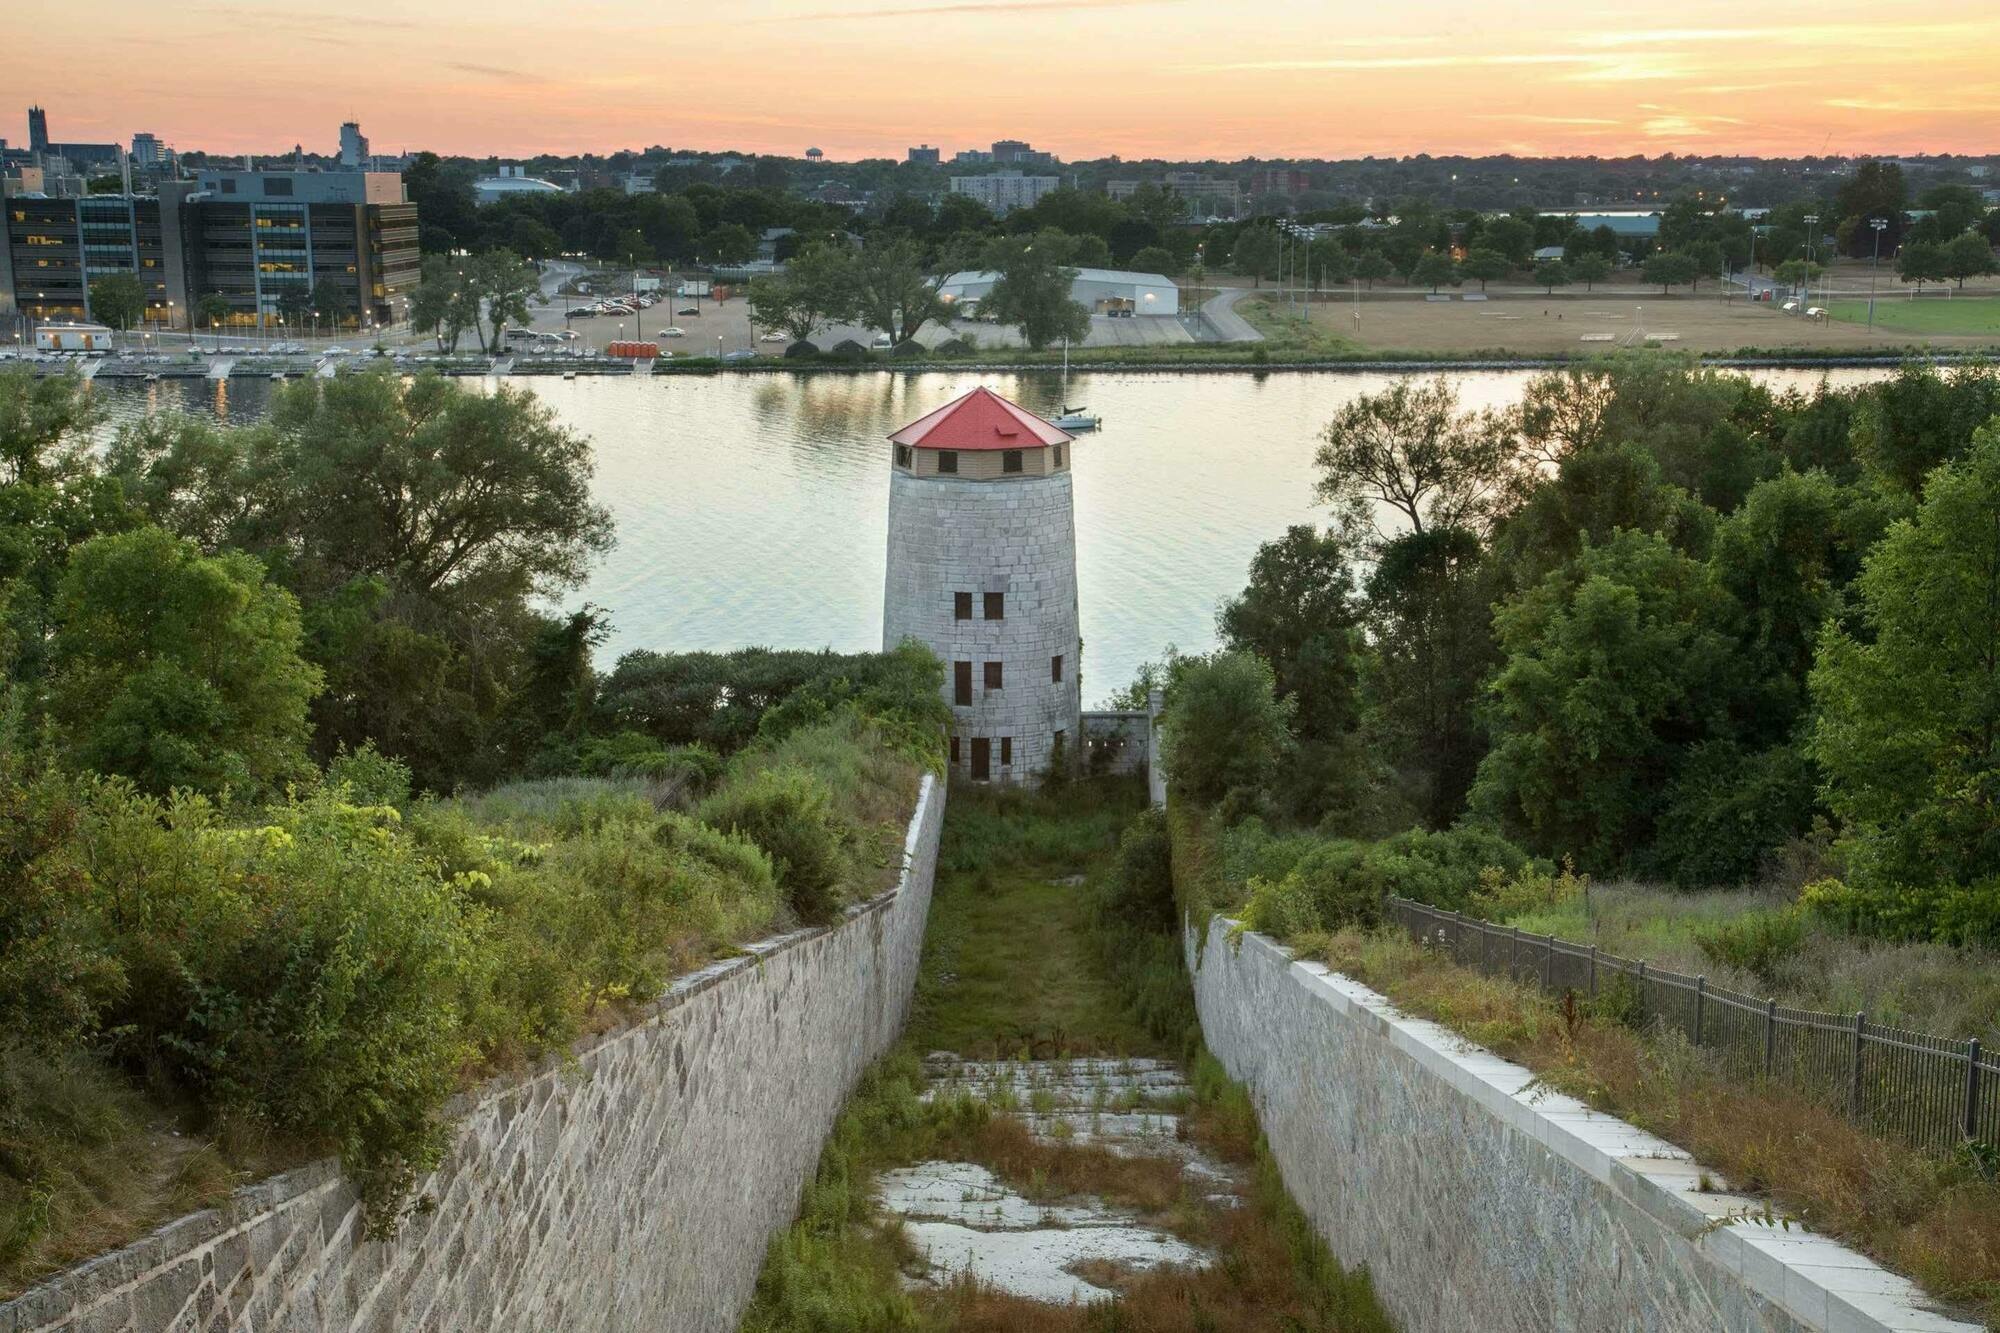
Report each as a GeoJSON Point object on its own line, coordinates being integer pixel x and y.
{"type": "Point", "coordinates": [1224, 727]}
{"type": "Point", "coordinates": [1754, 942]}
{"type": "Point", "coordinates": [306, 975]}
{"type": "Point", "coordinates": [1284, 908]}
{"type": "Point", "coordinates": [1533, 888]}
{"type": "Point", "coordinates": [1444, 868]}
{"type": "Point", "coordinates": [790, 815]}
{"type": "Point", "coordinates": [1250, 850]}
{"type": "Point", "coordinates": [1140, 894]}
{"type": "Point", "coordinates": [371, 777]}
{"type": "Point", "coordinates": [1336, 877]}
{"type": "Point", "coordinates": [1958, 914]}
{"type": "Point", "coordinates": [1728, 811]}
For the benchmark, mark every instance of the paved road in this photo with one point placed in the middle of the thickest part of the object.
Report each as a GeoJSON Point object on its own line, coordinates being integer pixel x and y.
{"type": "Point", "coordinates": [1229, 326]}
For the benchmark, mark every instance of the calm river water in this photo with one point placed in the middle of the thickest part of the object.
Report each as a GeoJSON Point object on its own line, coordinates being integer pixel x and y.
{"type": "Point", "coordinates": [751, 509]}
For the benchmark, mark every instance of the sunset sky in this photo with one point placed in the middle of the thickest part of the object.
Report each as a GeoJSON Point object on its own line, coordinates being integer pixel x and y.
{"type": "Point", "coordinates": [1085, 78]}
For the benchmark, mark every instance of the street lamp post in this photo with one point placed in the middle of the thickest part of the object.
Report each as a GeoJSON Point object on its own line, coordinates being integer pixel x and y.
{"type": "Point", "coordinates": [1878, 226]}
{"type": "Point", "coordinates": [1812, 230]}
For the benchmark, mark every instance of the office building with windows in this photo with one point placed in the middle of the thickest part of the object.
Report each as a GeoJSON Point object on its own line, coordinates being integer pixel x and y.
{"type": "Point", "coordinates": [269, 243]}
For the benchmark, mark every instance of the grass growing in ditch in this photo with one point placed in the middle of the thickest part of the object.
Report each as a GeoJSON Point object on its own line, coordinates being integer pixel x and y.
{"type": "Point", "coordinates": [1016, 964]}
{"type": "Point", "coordinates": [1937, 1220]}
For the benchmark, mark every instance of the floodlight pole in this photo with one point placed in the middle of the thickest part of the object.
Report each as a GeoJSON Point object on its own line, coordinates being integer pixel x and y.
{"type": "Point", "coordinates": [1878, 226]}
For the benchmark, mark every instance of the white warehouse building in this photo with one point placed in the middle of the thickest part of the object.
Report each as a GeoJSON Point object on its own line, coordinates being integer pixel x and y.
{"type": "Point", "coordinates": [1101, 291]}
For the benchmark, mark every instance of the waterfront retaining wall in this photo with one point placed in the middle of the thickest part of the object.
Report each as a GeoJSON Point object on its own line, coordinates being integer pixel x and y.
{"type": "Point", "coordinates": [1479, 1201]}
{"type": "Point", "coordinates": [633, 1187]}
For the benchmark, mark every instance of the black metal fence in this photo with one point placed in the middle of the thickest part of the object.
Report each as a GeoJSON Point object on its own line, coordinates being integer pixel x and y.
{"type": "Point", "coordinates": [1930, 1092]}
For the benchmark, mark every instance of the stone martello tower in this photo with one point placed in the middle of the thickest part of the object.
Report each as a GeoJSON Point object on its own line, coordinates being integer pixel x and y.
{"type": "Point", "coordinates": [982, 571]}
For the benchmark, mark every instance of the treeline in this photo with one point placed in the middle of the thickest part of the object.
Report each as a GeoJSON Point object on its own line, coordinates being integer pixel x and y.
{"type": "Point", "coordinates": [1661, 620]}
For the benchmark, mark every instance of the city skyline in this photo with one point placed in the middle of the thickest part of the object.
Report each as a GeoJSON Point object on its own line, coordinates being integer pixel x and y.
{"type": "Point", "coordinates": [1192, 79]}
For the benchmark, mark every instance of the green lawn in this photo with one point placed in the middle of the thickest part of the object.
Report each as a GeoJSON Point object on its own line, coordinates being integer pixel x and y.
{"type": "Point", "coordinates": [1974, 315]}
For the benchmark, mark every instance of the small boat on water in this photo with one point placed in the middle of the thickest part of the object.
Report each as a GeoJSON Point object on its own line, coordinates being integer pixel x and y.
{"type": "Point", "coordinates": [1073, 419]}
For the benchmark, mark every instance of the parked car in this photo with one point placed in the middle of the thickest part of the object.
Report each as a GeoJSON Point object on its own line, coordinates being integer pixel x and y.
{"type": "Point", "coordinates": [580, 311]}
{"type": "Point", "coordinates": [740, 354]}
{"type": "Point", "coordinates": [673, 331]}
{"type": "Point", "coordinates": [688, 310]}
{"type": "Point", "coordinates": [882, 340]}
{"type": "Point", "coordinates": [772, 337]}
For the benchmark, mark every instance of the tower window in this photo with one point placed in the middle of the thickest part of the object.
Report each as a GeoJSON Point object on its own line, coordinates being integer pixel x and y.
{"type": "Point", "coordinates": [954, 752]}
{"type": "Point", "coordinates": [1010, 460]}
{"type": "Point", "coordinates": [961, 606]}
{"type": "Point", "coordinates": [1055, 669]}
{"type": "Point", "coordinates": [1006, 751]}
{"type": "Point", "coordinates": [996, 606]}
{"type": "Point", "coordinates": [902, 455]}
{"type": "Point", "coordinates": [961, 683]}
{"type": "Point", "coordinates": [1058, 455]}
{"type": "Point", "coordinates": [947, 460]}
{"type": "Point", "coordinates": [993, 675]}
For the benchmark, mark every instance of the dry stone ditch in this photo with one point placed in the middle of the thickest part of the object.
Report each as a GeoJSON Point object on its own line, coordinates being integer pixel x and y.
{"type": "Point", "coordinates": [962, 1219]}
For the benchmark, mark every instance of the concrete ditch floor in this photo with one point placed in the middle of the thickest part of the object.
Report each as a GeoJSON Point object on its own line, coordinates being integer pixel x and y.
{"type": "Point", "coordinates": [961, 1218]}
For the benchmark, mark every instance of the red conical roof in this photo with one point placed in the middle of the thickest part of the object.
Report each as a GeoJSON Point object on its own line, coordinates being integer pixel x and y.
{"type": "Point", "coordinates": [981, 419]}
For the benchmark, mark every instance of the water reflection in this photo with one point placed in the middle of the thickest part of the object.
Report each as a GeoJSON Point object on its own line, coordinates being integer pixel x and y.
{"type": "Point", "coordinates": [751, 509]}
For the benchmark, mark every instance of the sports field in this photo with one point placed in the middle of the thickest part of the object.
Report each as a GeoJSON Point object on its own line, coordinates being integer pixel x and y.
{"type": "Point", "coordinates": [1974, 315]}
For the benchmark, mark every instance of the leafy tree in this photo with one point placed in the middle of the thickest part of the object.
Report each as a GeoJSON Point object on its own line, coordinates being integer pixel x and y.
{"type": "Point", "coordinates": [1411, 449]}
{"type": "Point", "coordinates": [1787, 555]}
{"type": "Point", "coordinates": [1552, 275]}
{"type": "Point", "coordinates": [1921, 262]}
{"type": "Point", "coordinates": [533, 238]}
{"type": "Point", "coordinates": [1429, 620]}
{"type": "Point", "coordinates": [1707, 258]}
{"type": "Point", "coordinates": [117, 299]}
{"type": "Point", "coordinates": [815, 290]}
{"type": "Point", "coordinates": [1033, 288]}
{"type": "Point", "coordinates": [212, 309]}
{"type": "Point", "coordinates": [893, 291]}
{"type": "Point", "coordinates": [1433, 271]}
{"type": "Point", "coordinates": [1908, 725]}
{"type": "Point", "coordinates": [447, 213]}
{"type": "Point", "coordinates": [1589, 269]}
{"type": "Point", "coordinates": [1256, 253]}
{"type": "Point", "coordinates": [1564, 411]}
{"type": "Point", "coordinates": [177, 669]}
{"type": "Point", "coordinates": [1371, 266]}
{"type": "Point", "coordinates": [731, 243]}
{"type": "Point", "coordinates": [443, 303]}
{"type": "Point", "coordinates": [1597, 491]}
{"type": "Point", "coordinates": [1876, 189]}
{"type": "Point", "coordinates": [1298, 614]}
{"type": "Point", "coordinates": [1486, 265]}
{"type": "Point", "coordinates": [332, 304]}
{"type": "Point", "coordinates": [1511, 237]}
{"type": "Point", "coordinates": [1224, 727]}
{"type": "Point", "coordinates": [1327, 262]}
{"type": "Point", "coordinates": [504, 287]}
{"type": "Point", "coordinates": [1612, 667]}
{"type": "Point", "coordinates": [415, 521]}
{"type": "Point", "coordinates": [1908, 424]}
{"type": "Point", "coordinates": [1967, 255]}
{"type": "Point", "coordinates": [1155, 259]}
{"type": "Point", "coordinates": [1796, 273]}
{"type": "Point", "coordinates": [1669, 270]}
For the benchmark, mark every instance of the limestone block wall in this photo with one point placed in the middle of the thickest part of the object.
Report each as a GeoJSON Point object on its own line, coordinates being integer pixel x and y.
{"type": "Point", "coordinates": [1013, 537]}
{"type": "Point", "coordinates": [1119, 742]}
{"type": "Point", "coordinates": [1480, 1202]}
{"type": "Point", "coordinates": [634, 1188]}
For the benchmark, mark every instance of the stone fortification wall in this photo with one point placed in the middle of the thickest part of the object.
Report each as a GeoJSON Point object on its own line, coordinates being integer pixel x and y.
{"type": "Point", "coordinates": [635, 1188]}
{"type": "Point", "coordinates": [1478, 1201]}
{"type": "Point", "coordinates": [1119, 742]}
{"type": "Point", "coordinates": [1016, 538]}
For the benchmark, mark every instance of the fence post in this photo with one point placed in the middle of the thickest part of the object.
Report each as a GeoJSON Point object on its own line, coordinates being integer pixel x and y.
{"type": "Point", "coordinates": [1770, 1033]}
{"type": "Point", "coordinates": [1700, 1004]}
{"type": "Point", "coordinates": [1972, 1089]}
{"type": "Point", "coordinates": [1513, 951]}
{"type": "Point", "coordinates": [1854, 1084]}
{"type": "Point", "coordinates": [1641, 988]}
{"type": "Point", "coordinates": [1593, 971]}
{"type": "Point", "coordinates": [1548, 961]}
{"type": "Point", "coordinates": [1457, 936]}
